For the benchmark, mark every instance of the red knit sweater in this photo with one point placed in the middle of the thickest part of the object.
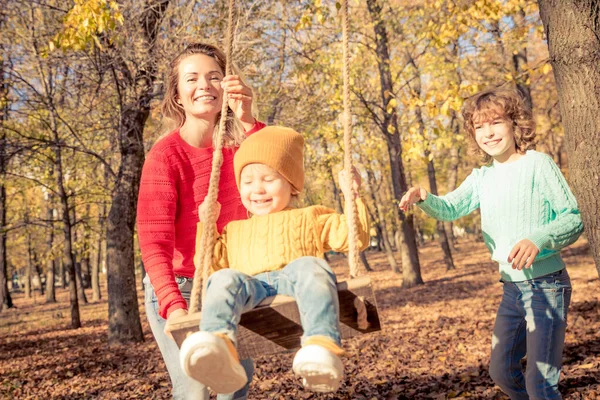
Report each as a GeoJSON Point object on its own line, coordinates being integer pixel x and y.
{"type": "Point", "coordinates": [174, 183]}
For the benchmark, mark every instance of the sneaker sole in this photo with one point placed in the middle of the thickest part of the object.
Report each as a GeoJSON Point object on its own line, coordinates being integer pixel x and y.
{"type": "Point", "coordinates": [213, 365]}
{"type": "Point", "coordinates": [320, 370]}
{"type": "Point", "coordinates": [318, 377]}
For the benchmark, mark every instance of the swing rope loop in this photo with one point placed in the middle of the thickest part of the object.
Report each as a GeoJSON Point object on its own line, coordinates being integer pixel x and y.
{"type": "Point", "coordinates": [351, 211]}
{"type": "Point", "coordinates": [209, 233]}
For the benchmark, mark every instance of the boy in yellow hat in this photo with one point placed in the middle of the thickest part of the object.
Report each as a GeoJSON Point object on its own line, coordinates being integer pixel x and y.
{"type": "Point", "coordinates": [277, 251]}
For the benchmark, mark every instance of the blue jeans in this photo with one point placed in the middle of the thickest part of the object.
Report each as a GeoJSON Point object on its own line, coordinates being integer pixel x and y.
{"type": "Point", "coordinates": [184, 387]}
{"type": "Point", "coordinates": [531, 320]}
{"type": "Point", "coordinates": [309, 280]}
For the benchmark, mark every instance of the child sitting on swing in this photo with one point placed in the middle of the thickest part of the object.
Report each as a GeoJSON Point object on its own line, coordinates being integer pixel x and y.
{"type": "Point", "coordinates": [277, 251]}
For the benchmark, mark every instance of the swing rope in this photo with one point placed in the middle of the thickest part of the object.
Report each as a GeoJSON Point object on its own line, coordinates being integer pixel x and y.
{"type": "Point", "coordinates": [209, 233]}
{"type": "Point", "coordinates": [351, 211]}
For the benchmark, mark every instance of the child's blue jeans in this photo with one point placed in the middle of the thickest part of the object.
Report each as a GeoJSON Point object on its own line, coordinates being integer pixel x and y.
{"type": "Point", "coordinates": [309, 280]}
{"type": "Point", "coordinates": [184, 387]}
{"type": "Point", "coordinates": [531, 321]}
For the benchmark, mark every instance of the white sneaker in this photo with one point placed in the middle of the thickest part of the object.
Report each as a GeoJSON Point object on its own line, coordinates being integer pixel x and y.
{"type": "Point", "coordinates": [213, 361]}
{"type": "Point", "coordinates": [320, 369]}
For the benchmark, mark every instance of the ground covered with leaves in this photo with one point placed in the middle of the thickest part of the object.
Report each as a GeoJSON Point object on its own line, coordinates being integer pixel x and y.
{"type": "Point", "coordinates": [435, 342]}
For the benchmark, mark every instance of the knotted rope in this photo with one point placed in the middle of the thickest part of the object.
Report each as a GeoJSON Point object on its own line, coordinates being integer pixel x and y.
{"type": "Point", "coordinates": [351, 212]}
{"type": "Point", "coordinates": [209, 233]}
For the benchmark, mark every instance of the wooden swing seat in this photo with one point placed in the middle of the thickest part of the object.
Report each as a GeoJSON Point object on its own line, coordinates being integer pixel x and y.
{"type": "Point", "coordinates": [274, 325]}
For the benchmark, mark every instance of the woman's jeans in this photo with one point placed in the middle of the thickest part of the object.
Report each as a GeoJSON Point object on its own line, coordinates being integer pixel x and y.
{"type": "Point", "coordinates": [309, 280]}
{"type": "Point", "coordinates": [531, 321]}
{"type": "Point", "coordinates": [184, 387]}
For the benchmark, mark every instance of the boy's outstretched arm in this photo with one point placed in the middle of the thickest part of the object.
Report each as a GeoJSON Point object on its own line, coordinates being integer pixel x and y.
{"type": "Point", "coordinates": [456, 204]}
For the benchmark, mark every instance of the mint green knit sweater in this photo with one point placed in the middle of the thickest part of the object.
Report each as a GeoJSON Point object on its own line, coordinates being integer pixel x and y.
{"type": "Point", "coordinates": [525, 199]}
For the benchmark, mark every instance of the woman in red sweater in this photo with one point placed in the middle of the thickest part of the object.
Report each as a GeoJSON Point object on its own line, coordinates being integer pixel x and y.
{"type": "Point", "coordinates": [174, 183]}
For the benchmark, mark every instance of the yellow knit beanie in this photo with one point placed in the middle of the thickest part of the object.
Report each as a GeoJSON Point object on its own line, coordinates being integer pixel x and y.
{"type": "Point", "coordinates": [276, 146]}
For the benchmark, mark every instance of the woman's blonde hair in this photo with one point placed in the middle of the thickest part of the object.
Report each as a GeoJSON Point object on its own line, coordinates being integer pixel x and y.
{"type": "Point", "coordinates": [234, 132]}
{"type": "Point", "coordinates": [493, 103]}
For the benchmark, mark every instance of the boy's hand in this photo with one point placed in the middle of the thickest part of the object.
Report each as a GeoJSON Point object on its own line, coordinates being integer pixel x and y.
{"type": "Point", "coordinates": [180, 312]}
{"type": "Point", "coordinates": [413, 195]}
{"type": "Point", "coordinates": [203, 210]}
{"type": "Point", "coordinates": [523, 254]}
{"type": "Point", "coordinates": [355, 184]}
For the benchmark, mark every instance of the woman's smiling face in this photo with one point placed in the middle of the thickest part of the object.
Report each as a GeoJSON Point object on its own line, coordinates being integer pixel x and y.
{"type": "Point", "coordinates": [199, 89]}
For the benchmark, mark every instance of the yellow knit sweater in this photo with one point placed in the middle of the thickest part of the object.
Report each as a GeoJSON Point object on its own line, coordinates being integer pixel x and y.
{"type": "Point", "coordinates": [270, 242]}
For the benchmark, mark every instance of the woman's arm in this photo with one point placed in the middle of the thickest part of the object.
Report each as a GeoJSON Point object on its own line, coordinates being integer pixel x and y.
{"type": "Point", "coordinates": [156, 209]}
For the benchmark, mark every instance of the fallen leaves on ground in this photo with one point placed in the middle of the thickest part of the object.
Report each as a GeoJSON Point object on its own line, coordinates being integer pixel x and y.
{"type": "Point", "coordinates": [435, 342]}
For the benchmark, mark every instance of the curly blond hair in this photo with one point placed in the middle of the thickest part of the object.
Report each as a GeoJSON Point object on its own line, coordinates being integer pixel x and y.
{"type": "Point", "coordinates": [497, 102]}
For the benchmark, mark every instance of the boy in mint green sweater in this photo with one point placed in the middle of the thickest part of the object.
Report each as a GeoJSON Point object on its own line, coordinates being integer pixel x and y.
{"type": "Point", "coordinates": [528, 214]}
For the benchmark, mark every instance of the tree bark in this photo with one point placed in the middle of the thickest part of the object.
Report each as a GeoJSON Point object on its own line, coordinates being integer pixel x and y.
{"type": "Point", "coordinates": [123, 312]}
{"type": "Point", "coordinates": [454, 153]}
{"type": "Point", "coordinates": [411, 268]}
{"type": "Point", "coordinates": [97, 265]}
{"type": "Point", "coordinates": [441, 230]}
{"type": "Point", "coordinates": [519, 59]}
{"type": "Point", "coordinates": [573, 32]}
{"type": "Point", "coordinates": [276, 102]}
{"type": "Point", "coordinates": [28, 269]}
{"type": "Point", "coordinates": [62, 280]}
{"type": "Point", "coordinates": [365, 262]}
{"type": "Point", "coordinates": [68, 258]}
{"type": "Point", "coordinates": [5, 298]}
{"type": "Point", "coordinates": [50, 265]}
{"type": "Point", "coordinates": [448, 260]}
{"type": "Point", "coordinates": [78, 274]}
{"type": "Point", "coordinates": [380, 221]}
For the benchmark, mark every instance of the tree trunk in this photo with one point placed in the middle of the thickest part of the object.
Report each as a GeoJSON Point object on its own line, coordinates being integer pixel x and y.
{"type": "Point", "coordinates": [276, 102]}
{"type": "Point", "coordinates": [123, 312]}
{"type": "Point", "coordinates": [78, 275]}
{"type": "Point", "coordinates": [38, 270]}
{"type": "Point", "coordinates": [85, 254]}
{"type": "Point", "coordinates": [380, 222]}
{"type": "Point", "coordinates": [451, 184]}
{"type": "Point", "coordinates": [124, 318]}
{"type": "Point", "coordinates": [448, 260]}
{"type": "Point", "coordinates": [97, 265]}
{"type": "Point", "coordinates": [28, 269]}
{"type": "Point", "coordinates": [520, 64]}
{"type": "Point", "coordinates": [411, 269]}
{"type": "Point", "coordinates": [365, 262]}
{"type": "Point", "coordinates": [5, 298]}
{"type": "Point", "coordinates": [454, 153]}
{"type": "Point", "coordinates": [62, 280]}
{"type": "Point", "coordinates": [443, 239]}
{"type": "Point", "coordinates": [573, 32]}
{"type": "Point", "coordinates": [50, 265]}
{"type": "Point", "coordinates": [68, 258]}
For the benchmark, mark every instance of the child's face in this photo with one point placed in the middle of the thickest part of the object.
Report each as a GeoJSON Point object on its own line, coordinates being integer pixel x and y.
{"type": "Point", "coordinates": [199, 89]}
{"type": "Point", "coordinates": [263, 190]}
{"type": "Point", "coordinates": [495, 135]}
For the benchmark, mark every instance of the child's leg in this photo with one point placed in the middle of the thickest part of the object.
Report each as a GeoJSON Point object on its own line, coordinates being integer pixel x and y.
{"type": "Point", "coordinates": [229, 293]}
{"type": "Point", "coordinates": [209, 356]}
{"type": "Point", "coordinates": [509, 344]}
{"type": "Point", "coordinates": [546, 307]}
{"type": "Point", "coordinates": [312, 283]}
